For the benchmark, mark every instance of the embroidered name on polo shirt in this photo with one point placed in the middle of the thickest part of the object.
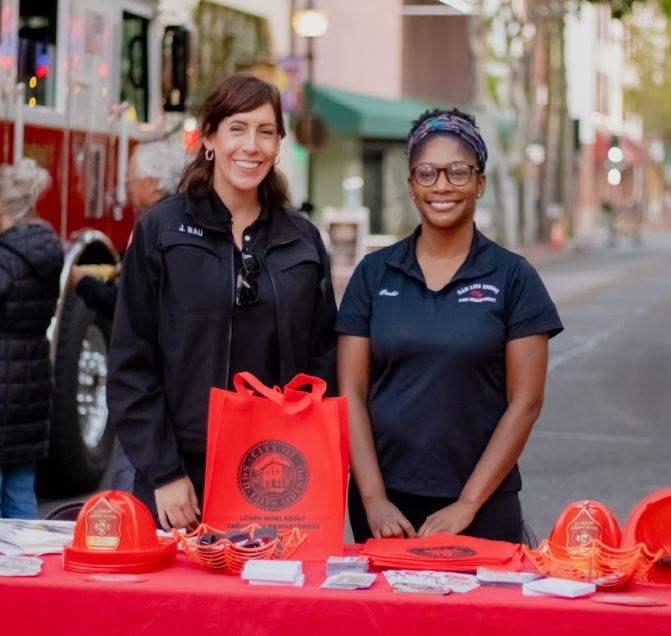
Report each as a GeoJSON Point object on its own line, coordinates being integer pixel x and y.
{"type": "Point", "coordinates": [478, 293]}
{"type": "Point", "coordinates": [386, 292]}
{"type": "Point", "coordinates": [189, 229]}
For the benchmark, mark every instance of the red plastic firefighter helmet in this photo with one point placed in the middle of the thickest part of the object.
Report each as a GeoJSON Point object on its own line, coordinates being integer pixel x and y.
{"type": "Point", "coordinates": [582, 522]}
{"type": "Point", "coordinates": [116, 533]}
{"type": "Point", "coordinates": [650, 523]}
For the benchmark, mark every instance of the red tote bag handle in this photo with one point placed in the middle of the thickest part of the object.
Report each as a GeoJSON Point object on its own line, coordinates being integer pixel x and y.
{"type": "Point", "coordinates": [292, 400]}
{"type": "Point", "coordinates": [303, 379]}
{"type": "Point", "coordinates": [242, 379]}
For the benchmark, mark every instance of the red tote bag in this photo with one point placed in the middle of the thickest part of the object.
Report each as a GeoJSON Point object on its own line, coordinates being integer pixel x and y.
{"type": "Point", "coordinates": [278, 458]}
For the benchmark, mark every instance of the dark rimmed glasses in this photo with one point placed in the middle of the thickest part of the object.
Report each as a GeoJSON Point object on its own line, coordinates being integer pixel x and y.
{"type": "Point", "coordinates": [247, 287]}
{"type": "Point", "coordinates": [458, 173]}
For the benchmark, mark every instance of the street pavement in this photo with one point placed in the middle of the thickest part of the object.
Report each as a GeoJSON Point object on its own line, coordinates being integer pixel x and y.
{"type": "Point", "coordinates": [604, 430]}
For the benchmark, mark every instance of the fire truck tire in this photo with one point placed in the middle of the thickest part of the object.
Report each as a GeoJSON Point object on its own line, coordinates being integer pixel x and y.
{"type": "Point", "coordinates": [80, 440]}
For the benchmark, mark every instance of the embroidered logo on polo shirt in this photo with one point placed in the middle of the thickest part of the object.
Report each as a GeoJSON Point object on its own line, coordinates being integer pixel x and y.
{"type": "Point", "coordinates": [478, 293]}
{"type": "Point", "coordinates": [386, 292]}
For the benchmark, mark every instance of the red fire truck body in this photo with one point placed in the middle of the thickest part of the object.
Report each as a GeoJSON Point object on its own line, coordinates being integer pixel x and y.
{"type": "Point", "coordinates": [80, 82]}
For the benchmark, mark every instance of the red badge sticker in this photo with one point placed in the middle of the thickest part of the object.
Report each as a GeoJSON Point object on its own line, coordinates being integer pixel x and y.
{"type": "Point", "coordinates": [103, 525]}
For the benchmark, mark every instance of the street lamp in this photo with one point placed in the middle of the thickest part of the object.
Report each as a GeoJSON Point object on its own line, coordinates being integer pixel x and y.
{"type": "Point", "coordinates": [310, 23]}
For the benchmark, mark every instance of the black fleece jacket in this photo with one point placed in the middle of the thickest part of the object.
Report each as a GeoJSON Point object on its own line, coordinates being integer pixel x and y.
{"type": "Point", "coordinates": [171, 336]}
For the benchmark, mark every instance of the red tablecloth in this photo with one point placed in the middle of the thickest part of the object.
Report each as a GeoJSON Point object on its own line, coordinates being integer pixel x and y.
{"type": "Point", "coordinates": [188, 600]}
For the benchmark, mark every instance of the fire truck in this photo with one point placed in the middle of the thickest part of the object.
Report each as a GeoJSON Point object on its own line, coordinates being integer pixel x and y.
{"type": "Point", "coordinates": [81, 81]}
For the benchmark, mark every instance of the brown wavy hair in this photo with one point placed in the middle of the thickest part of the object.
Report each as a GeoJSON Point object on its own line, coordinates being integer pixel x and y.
{"type": "Point", "coordinates": [239, 93]}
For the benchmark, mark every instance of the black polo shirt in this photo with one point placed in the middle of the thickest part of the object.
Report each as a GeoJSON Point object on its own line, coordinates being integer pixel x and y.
{"type": "Point", "coordinates": [438, 379]}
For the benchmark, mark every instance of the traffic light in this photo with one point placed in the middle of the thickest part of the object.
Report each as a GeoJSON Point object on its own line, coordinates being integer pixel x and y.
{"type": "Point", "coordinates": [615, 153]}
{"type": "Point", "coordinates": [615, 159]}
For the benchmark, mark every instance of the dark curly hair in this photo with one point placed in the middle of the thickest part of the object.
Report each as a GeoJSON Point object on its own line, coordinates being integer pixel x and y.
{"type": "Point", "coordinates": [436, 112]}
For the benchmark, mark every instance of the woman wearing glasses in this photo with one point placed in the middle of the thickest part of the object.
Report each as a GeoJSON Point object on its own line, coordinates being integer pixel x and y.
{"type": "Point", "coordinates": [442, 354]}
{"type": "Point", "coordinates": [220, 278]}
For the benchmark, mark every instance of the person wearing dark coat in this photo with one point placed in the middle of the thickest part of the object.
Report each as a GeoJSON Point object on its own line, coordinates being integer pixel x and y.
{"type": "Point", "coordinates": [220, 278]}
{"type": "Point", "coordinates": [31, 259]}
{"type": "Point", "coordinates": [154, 171]}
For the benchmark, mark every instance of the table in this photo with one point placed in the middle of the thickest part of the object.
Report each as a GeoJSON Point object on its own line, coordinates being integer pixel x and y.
{"type": "Point", "coordinates": [188, 600]}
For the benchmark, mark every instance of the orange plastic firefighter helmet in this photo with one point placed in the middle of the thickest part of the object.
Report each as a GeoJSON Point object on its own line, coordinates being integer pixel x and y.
{"type": "Point", "coordinates": [650, 523]}
{"type": "Point", "coordinates": [115, 532]}
{"type": "Point", "coordinates": [582, 522]}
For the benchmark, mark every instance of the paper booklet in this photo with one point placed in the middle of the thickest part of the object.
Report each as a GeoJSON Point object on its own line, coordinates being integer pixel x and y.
{"type": "Point", "coordinates": [34, 537]}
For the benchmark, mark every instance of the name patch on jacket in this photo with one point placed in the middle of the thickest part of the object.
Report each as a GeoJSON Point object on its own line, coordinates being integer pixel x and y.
{"type": "Point", "coordinates": [189, 229]}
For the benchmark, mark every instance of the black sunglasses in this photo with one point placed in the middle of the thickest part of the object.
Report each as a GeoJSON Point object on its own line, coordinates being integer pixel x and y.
{"type": "Point", "coordinates": [247, 288]}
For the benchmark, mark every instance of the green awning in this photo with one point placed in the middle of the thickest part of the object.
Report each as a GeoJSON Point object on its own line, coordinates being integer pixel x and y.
{"type": "Point", "coordinates": [359, 115]}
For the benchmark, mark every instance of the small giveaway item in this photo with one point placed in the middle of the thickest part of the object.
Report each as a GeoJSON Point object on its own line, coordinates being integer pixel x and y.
{"type": "Point", "coordinates": [265, 572]}
{"type": "Point", "coordinates": [20, 566]}
{"type": "Point", "coordinates": [429, 581]}
{"type": "Point", "coordinates": [628, 599]}
{"type": "Point", "coordinates": [502, 578]}
{"type": "Point", "coordinates": [338, 564]}
{"type": "Point", "coordinates": [228, 552]}
{"type": "Point", "coordinates": [116, 534]}
{"type": "Point", "coordinates": [349, 581]}
{"type": "Point", "coordinates": [558, 587]}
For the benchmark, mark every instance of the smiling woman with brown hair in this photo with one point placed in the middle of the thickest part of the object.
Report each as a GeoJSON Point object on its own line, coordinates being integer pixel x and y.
{"type": "Point", "coordinates": [220, 278]}
{"type": "Point", "coordinates": [442, 355]}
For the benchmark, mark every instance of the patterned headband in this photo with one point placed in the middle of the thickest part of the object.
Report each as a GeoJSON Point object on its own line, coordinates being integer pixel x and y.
{"type": "Point", "coordinates": [446, 123]}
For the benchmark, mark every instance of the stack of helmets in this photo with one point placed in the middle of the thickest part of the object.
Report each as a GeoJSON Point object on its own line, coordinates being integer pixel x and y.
{"type": "Point", "coordinates": [650, 523]}
{"type": "Point", "coordinates": [115, 533]}
{"type": "Point", "coordinates": [585, 545]}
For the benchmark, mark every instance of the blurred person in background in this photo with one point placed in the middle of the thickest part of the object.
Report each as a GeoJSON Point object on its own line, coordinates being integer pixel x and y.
{"type": "Point", "coordinates": [442, 355]}
{"type": "Point", "coordinates": [154, 171]}
{"type": "Point", "coordinates": [31, 259]}
{"type": "Point", "coordinates": [219, 279]}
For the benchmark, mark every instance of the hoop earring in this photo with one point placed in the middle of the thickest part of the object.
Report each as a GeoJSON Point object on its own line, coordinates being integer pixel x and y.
{"type": "Point", "coordinates": [277, 160]}
{"type": "Point", "coordinates": [209, 154]}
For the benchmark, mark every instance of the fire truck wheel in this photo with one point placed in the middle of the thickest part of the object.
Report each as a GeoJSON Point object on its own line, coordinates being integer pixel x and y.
{"type": "Point", "coordinates": [80, 441]}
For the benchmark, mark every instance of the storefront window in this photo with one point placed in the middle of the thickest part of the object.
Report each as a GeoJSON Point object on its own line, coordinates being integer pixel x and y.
{"type": "Point", "coordinates": [228, 41]}
{"type": "Point", "coordinates": [37, 50]}
{"type": "Point", "coordinates": [135, 65]}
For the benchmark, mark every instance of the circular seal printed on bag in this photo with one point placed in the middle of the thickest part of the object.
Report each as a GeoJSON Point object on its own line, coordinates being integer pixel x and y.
{"type": "Point", "coordinates": [273, 475]}
{"type": "Point", "coordinates": [444, 552]}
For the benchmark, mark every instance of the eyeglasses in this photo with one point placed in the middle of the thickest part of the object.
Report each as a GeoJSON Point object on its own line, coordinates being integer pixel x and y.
{"type": "Point", "coordinates": [457, 173]}
{"type": "Point", "coordinates": [247, 288]}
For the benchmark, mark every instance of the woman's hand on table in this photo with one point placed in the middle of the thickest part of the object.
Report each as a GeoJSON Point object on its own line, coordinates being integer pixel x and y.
{"type": "Point", "coordinates": [177, 504]}
{"type": "Point", "coordinates": [386, 520]}
{"type": "Point", "coordinates": [451, 519]}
